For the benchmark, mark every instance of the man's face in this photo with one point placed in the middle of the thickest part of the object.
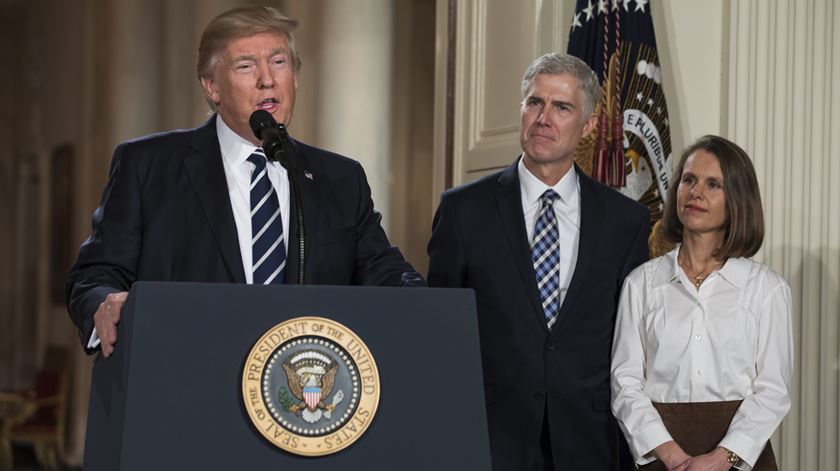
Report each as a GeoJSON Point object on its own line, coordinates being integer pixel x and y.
{"type": "Point", "coordinates": [552, 120]}
{"type": "Point", "coordinates": [253, 73]}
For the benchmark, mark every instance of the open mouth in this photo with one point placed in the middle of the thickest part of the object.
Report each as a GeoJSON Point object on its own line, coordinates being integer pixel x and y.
{"type": "Point", "coordinates": [269, 104]}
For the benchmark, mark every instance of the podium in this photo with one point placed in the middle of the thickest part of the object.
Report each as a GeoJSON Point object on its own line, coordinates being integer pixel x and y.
{"type": "Point", "coordinates": [171, 395]}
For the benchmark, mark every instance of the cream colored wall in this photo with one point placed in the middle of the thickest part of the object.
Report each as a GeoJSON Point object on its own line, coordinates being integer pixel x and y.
{"type": "Point", "coordinates": [763, 73]}
{"type": "Point", "coordinates": [691, 39]}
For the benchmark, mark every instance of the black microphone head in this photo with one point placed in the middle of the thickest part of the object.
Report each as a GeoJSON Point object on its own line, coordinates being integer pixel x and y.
{"type": "Point", "coordinates": [259, 120]}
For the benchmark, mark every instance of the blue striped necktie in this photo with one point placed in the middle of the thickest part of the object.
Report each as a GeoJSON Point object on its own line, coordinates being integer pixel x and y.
{"type": "Point", "coordinates": [268, 256]}
{"type": "Point", "coordinates": [545, 253]}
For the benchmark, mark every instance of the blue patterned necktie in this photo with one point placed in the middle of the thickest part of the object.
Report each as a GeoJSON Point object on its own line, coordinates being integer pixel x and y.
{"type": "Point", "coordinates": [545, 253]}
{"type": "Point", "coordinates": [268, 256]}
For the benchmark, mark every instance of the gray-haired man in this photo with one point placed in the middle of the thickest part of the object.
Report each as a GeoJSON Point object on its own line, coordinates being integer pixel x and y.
{"type": "Point", "coordinates": [546, 250]}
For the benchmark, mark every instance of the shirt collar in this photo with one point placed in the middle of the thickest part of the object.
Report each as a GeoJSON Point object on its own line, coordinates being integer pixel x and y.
{"type": "Point", "coordinates": [735, 270]}
{"type": "Point", "coordinates": [532, 187]}
{"type": "Point", "coordinates": [235, 149]}
{"type": "Point", "coordinates": [666, 272]}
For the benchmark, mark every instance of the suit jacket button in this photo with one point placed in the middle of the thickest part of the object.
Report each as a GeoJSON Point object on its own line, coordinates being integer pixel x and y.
{"type": "Point", "coordinates": [550, 347]}
{"type": "Point", "coordinates": [539, 396]}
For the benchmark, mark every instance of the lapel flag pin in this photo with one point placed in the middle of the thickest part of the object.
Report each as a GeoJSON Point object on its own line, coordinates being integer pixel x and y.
{"type": "Point", "coordinates": [307, 174]}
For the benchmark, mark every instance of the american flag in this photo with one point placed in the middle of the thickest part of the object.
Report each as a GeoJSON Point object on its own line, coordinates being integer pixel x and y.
{"type": "Point", "coordinates": [616, 39]}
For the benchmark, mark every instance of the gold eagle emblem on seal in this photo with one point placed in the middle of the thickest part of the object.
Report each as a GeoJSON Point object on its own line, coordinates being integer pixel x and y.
{"type": "Point", "coordinates": [310, 386]}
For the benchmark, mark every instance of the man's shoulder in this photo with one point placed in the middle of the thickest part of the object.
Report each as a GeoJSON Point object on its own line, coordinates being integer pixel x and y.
{"type": "Point", "coordinates": [476, 190]}
{"type": "Point", "coordinates": [323, 156]}
{"type": "Point", "coordinates": [163, 143]}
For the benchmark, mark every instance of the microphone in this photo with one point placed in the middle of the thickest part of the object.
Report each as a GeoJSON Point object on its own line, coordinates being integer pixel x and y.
{"type": "Point", "coordinates": [271, 134]}
{"type": "Point", "coordinates": [277, 147]}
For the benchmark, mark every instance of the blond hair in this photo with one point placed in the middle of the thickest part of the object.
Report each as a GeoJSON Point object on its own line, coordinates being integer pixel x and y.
{"type": "Point", "coordinates": [240, 23]}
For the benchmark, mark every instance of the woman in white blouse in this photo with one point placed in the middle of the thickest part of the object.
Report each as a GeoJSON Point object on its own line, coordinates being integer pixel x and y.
{"type": "Point", "coordinates": [703, 346]}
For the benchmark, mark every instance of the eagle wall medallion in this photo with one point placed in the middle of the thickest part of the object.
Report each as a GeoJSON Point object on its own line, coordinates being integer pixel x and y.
{"type": "Point", "coordinates": [310, 386]}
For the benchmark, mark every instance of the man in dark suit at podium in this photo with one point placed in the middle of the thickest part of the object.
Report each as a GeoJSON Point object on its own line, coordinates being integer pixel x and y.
{"type": "Point", "coordinates": [546, 250]}
{"type": "Point", "coordinates": [205, 205]}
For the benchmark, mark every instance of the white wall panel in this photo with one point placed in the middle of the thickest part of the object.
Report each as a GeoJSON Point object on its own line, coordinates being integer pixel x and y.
{"type": "Point", "coordinates": [784, 109]}
{"type": "Point", "coordinates": [496, 40]}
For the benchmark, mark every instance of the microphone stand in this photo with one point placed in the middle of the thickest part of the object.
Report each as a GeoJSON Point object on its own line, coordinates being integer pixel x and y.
{"type": "Point", "coordinates": [284, 154]}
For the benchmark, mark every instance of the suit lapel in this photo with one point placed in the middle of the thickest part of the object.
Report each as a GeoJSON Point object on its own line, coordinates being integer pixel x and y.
{"type": "Point", "coordinates": [309, 181]}
{"type": "Point", "coordinates": [591, 220]}
{"type": "Point", "coordinates": [207, 174]}
{"type": "Point", "coordinates": [509, 201]}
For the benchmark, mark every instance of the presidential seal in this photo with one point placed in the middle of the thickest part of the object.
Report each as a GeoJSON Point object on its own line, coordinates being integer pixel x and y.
{"type": "Point", "coordinates": [310, 386]}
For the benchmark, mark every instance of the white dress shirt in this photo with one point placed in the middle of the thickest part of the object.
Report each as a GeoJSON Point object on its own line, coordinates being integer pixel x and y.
{"type": "Point", "coordinates": [566, 213]}
{"type": "Point", "coordinates": [730, 340]}
{"type": "Point", "coordinates": [235, 153]}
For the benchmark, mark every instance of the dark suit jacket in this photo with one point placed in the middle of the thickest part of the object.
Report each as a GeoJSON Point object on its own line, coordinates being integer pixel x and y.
{"type": "Point", "coordinates": [480, 242]}
{"type": "Point", "coordinates": [165, 215]}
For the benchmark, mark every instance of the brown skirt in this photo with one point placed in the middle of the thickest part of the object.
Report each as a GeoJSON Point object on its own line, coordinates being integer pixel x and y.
{"type": "Point", "coordinates": [698, 427]}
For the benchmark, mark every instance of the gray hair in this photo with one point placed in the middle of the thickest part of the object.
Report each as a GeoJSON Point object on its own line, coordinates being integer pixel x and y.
{"type": "Point", "coordinates": [555, 63]}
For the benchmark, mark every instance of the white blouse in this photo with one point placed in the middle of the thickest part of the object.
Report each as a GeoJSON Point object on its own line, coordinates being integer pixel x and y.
{"type": "Point", "coordinates": [731, 340]}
